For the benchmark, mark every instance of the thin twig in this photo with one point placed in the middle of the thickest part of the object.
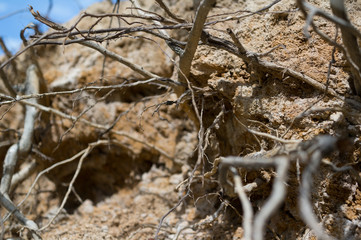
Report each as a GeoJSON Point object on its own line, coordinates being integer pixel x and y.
{"type": "Point", "coordinates": [305, 205]}
{"type": "Point", "coordinates": [97, 47]}
{"type": "Point", "coordinates": [275, 200]}
{"type": "Point", "coordinates": [170, 14]}
{"type": "Point", "coordinates": [95, 125]}
{"type": "Point", "coordinates": [246, 205]}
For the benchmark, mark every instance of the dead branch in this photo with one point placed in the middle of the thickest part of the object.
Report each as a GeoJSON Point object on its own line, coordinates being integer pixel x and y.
{"type": "Point", "coordinates": [273, 202]}
{"type": "Point", "coordinates": [24, 173]}
{"type": "Point", "coordinates": [21, 149]}
{"type": "Point", "coordinates": [164, 82]}
{"type": "Point", "coordinates": [85, 154]}
{"type": "Point", "coordinates": [246, 205]}
{"type": "Point", "coordinates": [170, 14]}
{"type": "Point", "coordinates": [350, 42]}
{"type": "Point", "coordinates": [323, 146]}
{"type": "Point", "coordinates": [186, 58]}
{"type": "Point", "coordinates": [12, 209]}
{"type": "Point", "coordinates": [311, 152]}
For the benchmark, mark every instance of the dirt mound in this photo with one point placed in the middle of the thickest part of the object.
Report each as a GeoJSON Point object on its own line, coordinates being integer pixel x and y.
{"type": "Point", "coordinates": [133, 154]}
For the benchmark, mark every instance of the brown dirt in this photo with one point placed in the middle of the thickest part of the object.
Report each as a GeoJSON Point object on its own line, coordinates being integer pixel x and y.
{"type": "Point", "coordinates": [124, 190]}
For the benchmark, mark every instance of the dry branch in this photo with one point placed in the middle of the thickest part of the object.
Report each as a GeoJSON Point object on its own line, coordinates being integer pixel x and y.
{"type": "Point", "coordinates": [246, 205]}
{"type": "Point", "coordinates": [23, 147]}
{"type": "Point", "coordinates": [186, 58]}
{"type": "Point", "coordinates": [256, 229]}
{"type": "Point", "coordinates": [310, 152]}
{"type": "Point", "coordinates": [170, 14]}
{"type": "Point", "coordinates": [20, 149]}
{"type": "Point", "coordinates": [350, 42]}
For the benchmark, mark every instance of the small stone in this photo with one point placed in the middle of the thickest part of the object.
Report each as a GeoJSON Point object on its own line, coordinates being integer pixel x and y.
{"type": "Point", "coordinates": [87, 207]}
{"type": "Point", "coordinates": [337, 117]}
{"type": "Point", "coordinates": [105, 229]}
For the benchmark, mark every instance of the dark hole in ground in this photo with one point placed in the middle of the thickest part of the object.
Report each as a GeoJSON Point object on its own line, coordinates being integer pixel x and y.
{"type": "Point", "coordinates": [102, 174]}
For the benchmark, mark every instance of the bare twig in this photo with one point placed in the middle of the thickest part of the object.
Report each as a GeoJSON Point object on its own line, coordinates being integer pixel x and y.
{"type": "Point", "coordinates": [8, 205]}
{"type": "Point", "coordinates": [96, 46]}
{"type": "Point", "coordinates": [236, 41]}
{"type": "Point", "coordinates": [311, 151]}
{"type": "Point", "coordinates": [246, 205]}
{"type": "Point", "coordinates": [95, 125]}
{"type": "Point", "coordinates": [85, 154]}
{"type": "Point", "coordinates": [275, 200]}
{"type": "Point", "coordinates": [163, 81]}
{"type": "Point", "coordinates": [170, 14]}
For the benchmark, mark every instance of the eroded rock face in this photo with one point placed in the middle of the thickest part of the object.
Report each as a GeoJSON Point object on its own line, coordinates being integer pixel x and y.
{"type": "Point", "coordinates": [111, 166]}
{"type": "Point", "coordinates": [163, 136]}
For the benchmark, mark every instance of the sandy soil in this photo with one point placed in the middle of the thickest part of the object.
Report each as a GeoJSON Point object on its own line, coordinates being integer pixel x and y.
{"type": "Point", "coordinates": [125, 188]}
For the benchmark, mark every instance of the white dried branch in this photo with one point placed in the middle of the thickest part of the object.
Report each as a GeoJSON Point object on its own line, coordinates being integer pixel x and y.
{"type": "Point", "coordinates": [281, 140]}
{"type": "Point", "coordinates": [262, 134]}
{"type": "Point", "coordinates": [137, 5]}
{"type": "Point", "coordinates": [47, 170]}
{"type": "Point", "coordinates": [82, 154]}
{"type": "Point", "coordinates": [169, 12]}
{"type": "Point", "coordinates": [278, 191]}
{"type": "Point", "coordinates": [8, 205]}
{"type": "Point", "coordinates": [23, 174]}
{"type": "Point", "coordinates": [277, 197]}
{"type": "Point", "coordinates": [305, 206]}
{"type": "Point", "coordinates": [23, 146]}
{"type": "Point", "coordinates": [118, 58]}
{"type": "Point", "coordinates": [20, 149]}
{"type": "Point", "coordinates": [246, 205]}
{"type": "Point", "coordinates": [303, 5]}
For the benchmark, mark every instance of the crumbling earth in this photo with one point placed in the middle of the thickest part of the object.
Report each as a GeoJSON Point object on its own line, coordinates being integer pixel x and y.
{"type": "Point", "coordinates": [126, 187]}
